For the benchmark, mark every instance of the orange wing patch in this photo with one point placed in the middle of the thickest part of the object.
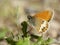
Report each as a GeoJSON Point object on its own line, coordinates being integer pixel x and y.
{"type": "Point", "coordinates": [45, 15]}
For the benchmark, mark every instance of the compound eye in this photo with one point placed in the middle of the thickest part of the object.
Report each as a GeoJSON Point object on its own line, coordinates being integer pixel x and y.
{"type": "Point", "coordinates": [29, 17]}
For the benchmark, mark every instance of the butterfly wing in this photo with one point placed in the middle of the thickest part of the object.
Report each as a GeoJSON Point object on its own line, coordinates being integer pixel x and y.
{"type": "Point", "coordinates": [42, 19]}
{"type": "Point", "coordinates": [45, 15]}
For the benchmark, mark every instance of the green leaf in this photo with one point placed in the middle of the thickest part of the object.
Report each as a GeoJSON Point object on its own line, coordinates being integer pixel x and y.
{"type": "Point", "coordinates": [20, 42]}
{"type": "Point", "coordinates": [11, 41]}
{"type": "Point", "coordinates": [25, 41]}
{"type": "Point", "coordinates": [24, 28]}
{"type": "Point", "coordinates": [3, 32]}
{"type": "Point", "coordinates": [48, 41]}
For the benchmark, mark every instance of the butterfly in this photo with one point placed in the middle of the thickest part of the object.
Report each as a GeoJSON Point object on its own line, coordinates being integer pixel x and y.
{"type": "Point", "coordinates": [40, 21]}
